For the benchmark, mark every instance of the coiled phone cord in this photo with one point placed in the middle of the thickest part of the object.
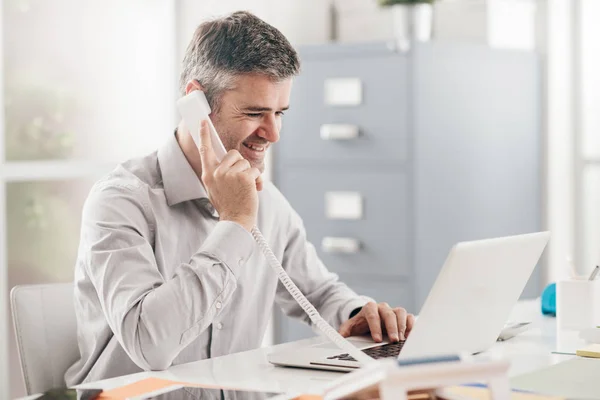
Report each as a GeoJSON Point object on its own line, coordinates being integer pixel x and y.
{"type": "Point", "coordinates": [310, 310]}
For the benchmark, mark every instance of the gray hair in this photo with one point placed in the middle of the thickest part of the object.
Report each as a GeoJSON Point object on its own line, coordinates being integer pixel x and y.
{"type": "Point", "coordinates": [239, 43]}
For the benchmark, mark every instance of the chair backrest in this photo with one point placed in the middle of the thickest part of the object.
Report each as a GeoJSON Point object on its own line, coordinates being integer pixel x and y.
{"type": "Point", "coordinates": [46, 333]}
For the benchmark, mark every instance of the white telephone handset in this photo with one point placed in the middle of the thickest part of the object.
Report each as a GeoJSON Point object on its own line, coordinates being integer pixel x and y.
{"type": "Point", "coordinates": [194, 108]}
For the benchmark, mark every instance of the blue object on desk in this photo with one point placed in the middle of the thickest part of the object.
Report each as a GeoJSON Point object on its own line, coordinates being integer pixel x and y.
{"type": "Point", "coordinates": [428, 360]}
{"type": "Point", "coordinates": [549, 300]}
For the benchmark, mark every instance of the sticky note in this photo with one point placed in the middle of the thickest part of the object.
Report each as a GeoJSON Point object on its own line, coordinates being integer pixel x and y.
{"type": "Point", "coordinates": [136, 389]}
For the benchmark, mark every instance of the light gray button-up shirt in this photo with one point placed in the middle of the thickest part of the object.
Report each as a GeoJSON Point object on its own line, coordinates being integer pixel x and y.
{"type": "Point", "coordinates": [160, 281]}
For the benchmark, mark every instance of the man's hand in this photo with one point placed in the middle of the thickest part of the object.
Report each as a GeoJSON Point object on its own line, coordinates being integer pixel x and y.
{"type": "Point", "coordinates": [378, 319]}
{"type": "Point", "coordinates": [231, 184]}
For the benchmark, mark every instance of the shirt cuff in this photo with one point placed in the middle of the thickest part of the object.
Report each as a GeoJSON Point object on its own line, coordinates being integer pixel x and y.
{"type": "Point", "coordinates": [354, 312]}
{"type": "Point", "coordinates": [230, 243]}
{"type": "Point", "coordinates": [353, 304]}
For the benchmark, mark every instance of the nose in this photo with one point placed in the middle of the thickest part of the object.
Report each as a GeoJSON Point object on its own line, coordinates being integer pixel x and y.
{"type": "Point", "coordinates": [269, 129]}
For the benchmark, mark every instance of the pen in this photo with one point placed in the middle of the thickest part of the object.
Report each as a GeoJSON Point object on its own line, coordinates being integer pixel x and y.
{"type": "Point", "coordinates": [594, 273]}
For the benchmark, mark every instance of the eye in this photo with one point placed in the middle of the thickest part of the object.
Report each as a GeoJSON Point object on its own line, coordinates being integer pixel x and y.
{"type": "Point", "coordinates": [254, 115]}
{"type": "Point", "coordinates": [280, 113]}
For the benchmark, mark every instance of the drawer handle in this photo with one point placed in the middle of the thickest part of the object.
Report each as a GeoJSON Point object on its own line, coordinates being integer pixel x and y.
{"type": "Point", "coordinates": [346, 245]}
{"type": "Point", "coordinates": [339, 132]}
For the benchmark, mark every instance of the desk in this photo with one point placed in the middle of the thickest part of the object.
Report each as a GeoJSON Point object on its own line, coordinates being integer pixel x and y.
{"type": "Point", "coordinates": [250, 370]}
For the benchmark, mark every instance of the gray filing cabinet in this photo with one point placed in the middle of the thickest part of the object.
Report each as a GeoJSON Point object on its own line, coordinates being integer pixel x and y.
{"type": "Point", "coordinates": [448, 150]}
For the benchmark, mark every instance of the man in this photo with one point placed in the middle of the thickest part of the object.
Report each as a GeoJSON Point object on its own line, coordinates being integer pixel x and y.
{"type": "Point", "coordinates": [167, 270]}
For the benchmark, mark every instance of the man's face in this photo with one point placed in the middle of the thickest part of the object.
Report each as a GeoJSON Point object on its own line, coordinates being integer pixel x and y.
{"type": "Point", "coordinates": [249, 116]}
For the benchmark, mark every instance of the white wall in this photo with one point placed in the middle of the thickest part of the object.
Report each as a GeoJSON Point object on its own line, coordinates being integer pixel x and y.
{"type": "Point", "coordinates": [363, 21]}
{"type": "Point", "coordinates": [559, 125]}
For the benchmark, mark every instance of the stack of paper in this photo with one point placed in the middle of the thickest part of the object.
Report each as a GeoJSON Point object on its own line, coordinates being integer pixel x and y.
{"type": "Point", "coordinates": [576, 378]}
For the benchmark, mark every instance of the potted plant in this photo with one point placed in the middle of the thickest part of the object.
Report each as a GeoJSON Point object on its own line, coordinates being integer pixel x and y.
{"type": "Point", "coordinates": [412, 19]}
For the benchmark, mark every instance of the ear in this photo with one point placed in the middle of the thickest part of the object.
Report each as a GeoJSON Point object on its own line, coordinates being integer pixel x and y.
{"type": "Point", "coordinates": [193, 85]}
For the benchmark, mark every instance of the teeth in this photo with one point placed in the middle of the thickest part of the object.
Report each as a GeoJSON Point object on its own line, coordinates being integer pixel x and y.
{"type": "Point", "coordinates": [255, 148]}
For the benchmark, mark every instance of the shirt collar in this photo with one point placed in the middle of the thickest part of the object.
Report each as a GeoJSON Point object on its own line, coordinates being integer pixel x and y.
{"type": "Point", "coordinates": [179, 179]}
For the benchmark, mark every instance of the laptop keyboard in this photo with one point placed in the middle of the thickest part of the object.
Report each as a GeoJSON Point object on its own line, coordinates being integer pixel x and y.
{"type": "Point", "coordinates": [385, 351]}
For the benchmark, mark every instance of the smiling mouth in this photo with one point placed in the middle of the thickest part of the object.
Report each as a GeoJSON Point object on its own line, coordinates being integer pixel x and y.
{"type": "Point", "coordinates": [255, 147]}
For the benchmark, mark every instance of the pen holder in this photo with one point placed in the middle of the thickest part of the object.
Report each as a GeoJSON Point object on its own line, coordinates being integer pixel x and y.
{"type": "Point", "coordinates": [577, 304]}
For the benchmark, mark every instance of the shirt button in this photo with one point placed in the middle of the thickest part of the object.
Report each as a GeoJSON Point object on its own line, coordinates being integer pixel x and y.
{"type": "Point", "coordinates": [240, 261]}
{"type": "Point", "coordinates": [219, 325]}
{"type": "Point", "coordinates": [218, 305]}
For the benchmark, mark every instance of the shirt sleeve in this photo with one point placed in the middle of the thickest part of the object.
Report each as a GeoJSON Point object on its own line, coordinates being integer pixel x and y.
{"type": "Point", "coordinates": [333, 299]}
{"type": "Point", "coordinates": [155, 317]}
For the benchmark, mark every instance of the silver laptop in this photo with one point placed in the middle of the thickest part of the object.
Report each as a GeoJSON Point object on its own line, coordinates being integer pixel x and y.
{"type": "Point", "coordinates": [465, 311]}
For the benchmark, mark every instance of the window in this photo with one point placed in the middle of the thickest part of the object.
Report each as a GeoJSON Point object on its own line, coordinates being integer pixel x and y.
{"type": "Point", "coordinates": [588, 174]}
{"type": "Point", "coordinates": [85, 85]}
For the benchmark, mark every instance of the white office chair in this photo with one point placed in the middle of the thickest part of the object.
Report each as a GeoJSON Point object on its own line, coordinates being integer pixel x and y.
{"type": "Point", "coordinates": [46, 332]}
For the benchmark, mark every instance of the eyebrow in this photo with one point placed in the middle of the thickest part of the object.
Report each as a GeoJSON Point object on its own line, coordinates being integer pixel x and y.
{"type": "Point", "coordinates": [262, 109]}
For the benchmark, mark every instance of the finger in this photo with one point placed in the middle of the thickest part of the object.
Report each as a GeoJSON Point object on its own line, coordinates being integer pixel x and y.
{"type": "Point", "coordinates": [259, 183]}
{"type": "Point", "coordinates": [240, 166]}
{"type": "Point", "coordinates": [410, 322]}
{"type": "Point", "coordinates": [346, 328]}
{"type": "Point", "coordinates": [372, 317]}
{"type": "Point", "coordinates": [254, 173]}
{"type": "Point", "coordinates": [230, 158]}
{"type": "Point", "coordinates": [207, 154]}
{"type": "Point", "coordinates": [390, 321]}
{"type": "Point", "coordinates": [401, 318]}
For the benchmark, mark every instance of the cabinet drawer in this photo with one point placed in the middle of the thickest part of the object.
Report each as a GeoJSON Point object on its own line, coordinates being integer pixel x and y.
{"type": "Point", "coordinates": [382, 231]}
{"type": "Point", "coordinates": [396, 292]}
{"type": "Point", "coordinates": [381, 117]}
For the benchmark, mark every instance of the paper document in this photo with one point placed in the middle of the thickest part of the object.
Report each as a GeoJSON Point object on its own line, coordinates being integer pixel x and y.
{"type": "Point", "coordinates": [576, 378]}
